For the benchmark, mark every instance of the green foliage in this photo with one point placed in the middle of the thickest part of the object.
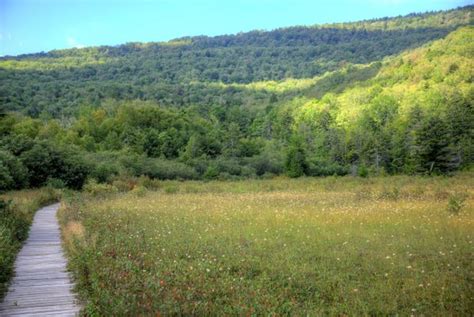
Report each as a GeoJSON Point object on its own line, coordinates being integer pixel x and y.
{"type": "Point", "coordinates": [104, 172]}
{"type": "Point", "coordinates": [45, 161]}
{"type": "Point", "coordinates": [296, 164]}
{"type": "Point", "coordinates": [156, 168]}
{"type": "Point", "coordinates": [362, 171]}
{"type": "Point", "coordinates": [96, 189]}
{"type": "Point", "coordinates": [434, 151]}
{"type": "Point", "coordinates": [410, 113]}
{"type": "Point", "coordinates": [13, 174]}
{"type": "Point", "coordinates": [456, 202]}
{"type": "Point", "coordinates": [58, 82]}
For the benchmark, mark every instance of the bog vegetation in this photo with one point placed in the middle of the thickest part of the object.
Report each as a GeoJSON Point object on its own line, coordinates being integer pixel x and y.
{"type": "Point", "coordinates": [389, 96]}
{"type": "Point", "coordinates": [17, 209]}
{"type": "Point", "coordinates": [311, 246]}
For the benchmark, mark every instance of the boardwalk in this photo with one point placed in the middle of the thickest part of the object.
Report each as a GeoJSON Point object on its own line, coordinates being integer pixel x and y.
{"type": "Point", "coordinates": [41, 286]}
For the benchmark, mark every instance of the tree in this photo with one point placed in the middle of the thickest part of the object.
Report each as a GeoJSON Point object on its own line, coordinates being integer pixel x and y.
{"type": "Point", "coordinates": [295, 163]}
{"type": "Point", "coordinates": [435, 152]}
{"type": "Point", "coordinates": [46, 161]}
{"type": "Point", "coordinates": [14, 172]}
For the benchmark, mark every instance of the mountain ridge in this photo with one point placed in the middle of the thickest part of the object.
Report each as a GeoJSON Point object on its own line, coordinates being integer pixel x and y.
{"type": "Point", "coordinates": [420, 17]}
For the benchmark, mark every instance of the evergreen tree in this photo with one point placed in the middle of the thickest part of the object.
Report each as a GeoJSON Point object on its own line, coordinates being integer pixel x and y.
{"type": "Point", "coordinates": [436, 154]}
{"type": "Point", "coordinates": [296, 164]}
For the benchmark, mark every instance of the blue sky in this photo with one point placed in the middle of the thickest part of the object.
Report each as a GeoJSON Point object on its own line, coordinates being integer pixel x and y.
{"type": "Point", "coordinates": [28, 26]}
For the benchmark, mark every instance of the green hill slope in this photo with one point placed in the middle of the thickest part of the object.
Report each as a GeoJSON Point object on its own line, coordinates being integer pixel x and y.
{"type": "Point", "coordinates": [407, 113]}
{"type": "Point", "coordinates": [167, 73]}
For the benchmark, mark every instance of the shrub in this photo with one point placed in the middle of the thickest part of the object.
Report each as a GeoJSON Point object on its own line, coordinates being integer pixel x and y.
{"type": "Point", "coordinates": [45, 161]}
{"type": "Point", "coordinates": [139, 191]}
{"type": "Point", "coordinates": [229, 166]}
{"type": "Point", "coordinates": [55, 183]}
{"type": "Point", "coordinates": [212, 172]}
{"type": "Point", "coordinates": [265, 163]}
{"type": "Point", "coordinates": [456, 202]}
{"type": "Point", "coordinates": [6, 180]}
{"type": "Point", "coordinates": [148, 183]}
{"type": "Point", "coordinates": [96, 189]}
{"type": "Point", "coordinates": [171, 189]}
{"type": "Point", "coordinates": [13, 174]}
{"type": "Point", "coordinates": [295, 163]}
{"type": "Point", "coordinates": [157, 168]}
{"type": "Point", "coordinates": [326, 169]}
{"type": "Point", "coordinates": [363, 171]}
{"type": "Point", "coordinates": [74, 170]}
{"type": "Point", "coordinates": [164, 169]}
{"type": "Point", "coordinates": [104, 172]}
{"type": "Point", "coordinates": [123, 185]}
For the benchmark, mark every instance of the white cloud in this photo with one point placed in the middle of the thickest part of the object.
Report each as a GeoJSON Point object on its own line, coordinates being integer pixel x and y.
{"type": "Point", "coordinates": [72, 42]}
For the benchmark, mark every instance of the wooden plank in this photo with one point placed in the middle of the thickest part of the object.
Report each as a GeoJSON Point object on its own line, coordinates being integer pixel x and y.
{"type": "Point", "coordinates": [41, 285]}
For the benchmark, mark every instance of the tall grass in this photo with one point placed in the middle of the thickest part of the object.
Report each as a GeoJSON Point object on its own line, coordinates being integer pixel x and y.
{"type": "Point", "coordinates": [337, 246]}
{"type": "Point", "coordinates": [16, 215]}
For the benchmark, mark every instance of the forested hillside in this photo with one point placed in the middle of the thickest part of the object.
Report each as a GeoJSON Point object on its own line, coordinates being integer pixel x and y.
{"type": "Point", "coordinates": [177, 73]}
{"type": "Point", "coordinates": [382, 96]}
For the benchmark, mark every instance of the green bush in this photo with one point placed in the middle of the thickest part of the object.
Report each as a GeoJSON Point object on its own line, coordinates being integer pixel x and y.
{"type": "Point", "coordinates": [148, 183]}
{"type": "Point", "coordinates": [157, 168]}
{"type": "Point", "coordinates": [326, 169]}
{"type": "Point", "coordinates": [266, 162]}
{"type": "Point", "coordinates": [96, 189]}
{"type": "Point", "coordinates": [139, 191]}
{"type": "Point", "coordinates": [104, 172]}
{"type": "Point", "coordinates": [363, 171]}
{"type": "Point", "coordinates": [13, 174]}
{"type": "Point", "coordinates": [6, 180]}
{"type": "Point", "coordinates": [295, 163]}
{"type": "Point", "coordinates": [456, 202]}
{"type": "Point", "coordinates": [164, 169]}
{"type": "Point", "coordinates": [55, 183]}
{"type": "Point", "coordinates": [212, 172]}
{"type": "Point", "coordinates": [45, 160]}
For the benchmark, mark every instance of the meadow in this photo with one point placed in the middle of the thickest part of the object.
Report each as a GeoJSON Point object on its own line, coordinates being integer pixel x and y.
{"type": "Point", "coordinates": [309, 246]}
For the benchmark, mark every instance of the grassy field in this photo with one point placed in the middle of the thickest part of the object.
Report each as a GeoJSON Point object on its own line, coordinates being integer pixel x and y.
{"type": "Point", "coordinates": [338, 246]}
{"type": "Point", "coordinates": [17, 209]}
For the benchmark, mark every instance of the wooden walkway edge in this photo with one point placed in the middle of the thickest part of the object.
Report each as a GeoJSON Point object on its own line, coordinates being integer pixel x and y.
{"type": "Point", "coordinates": [41, 285]}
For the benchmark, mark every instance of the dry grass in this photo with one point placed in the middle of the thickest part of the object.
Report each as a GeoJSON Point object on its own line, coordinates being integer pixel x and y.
{"type": "Point", "coordinates": [309, 246]}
